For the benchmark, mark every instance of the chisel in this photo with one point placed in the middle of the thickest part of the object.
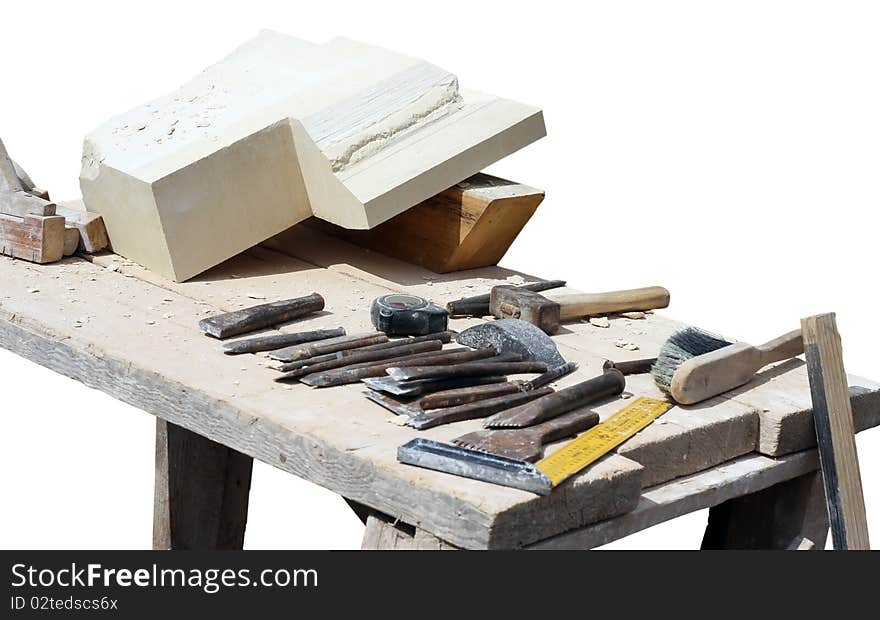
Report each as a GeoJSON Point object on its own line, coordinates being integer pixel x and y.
{"type": "Point", "coordinates": [462, 370]}
{"type": "Point", "coordinates": [277, 341]}
{"type": "Point", "coordinates": [265, 315]}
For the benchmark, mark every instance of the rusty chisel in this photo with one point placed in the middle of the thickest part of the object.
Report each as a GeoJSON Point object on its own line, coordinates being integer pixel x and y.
{"type": "Point", "coordinates": [353, 374]}
{"type": "Point", "coordinates": [461, 396]}
{"type": "Point", "coordinates": [527, 444]}
{"type": "Point", "coordinates": [610, 383]}
{"type": "Point", "coordinates": [391, 353]}
{"type": "Point", "coordinates": [472, 411]}
{"type": "Point", "coordinates": [277, 341]}
{"type": "Point", "coordinates": [257, 317]}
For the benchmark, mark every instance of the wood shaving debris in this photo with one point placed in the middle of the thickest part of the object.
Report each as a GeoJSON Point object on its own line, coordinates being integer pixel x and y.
{"type": "Point", "coordinates": [623, 344]}
{"type": "Point", "coordinates": [256, 296]}
{"type": "Point", "coordinates": [33, 290]}
{"type": "Point", "coordinates": [517, 280]}
{"type": "Point", "coordinates": [633, 315]}
{"type": "Point", "coordinates": [600, 321]}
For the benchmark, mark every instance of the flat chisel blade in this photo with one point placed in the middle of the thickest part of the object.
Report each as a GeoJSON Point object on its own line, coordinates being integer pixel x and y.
{"type": "Point", "coordinates": [474, 464]}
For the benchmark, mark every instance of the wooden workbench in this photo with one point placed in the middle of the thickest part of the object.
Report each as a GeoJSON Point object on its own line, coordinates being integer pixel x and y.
{"type": "Point", "coordinates": [118, 328]}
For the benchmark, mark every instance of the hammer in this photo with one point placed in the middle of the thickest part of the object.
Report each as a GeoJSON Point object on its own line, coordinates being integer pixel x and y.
{"type": "Point", "coordinates": [515, 302]}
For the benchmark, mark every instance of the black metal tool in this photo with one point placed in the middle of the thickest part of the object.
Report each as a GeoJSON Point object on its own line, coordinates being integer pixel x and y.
{"type": "Point", "coordinates": [399, 314]}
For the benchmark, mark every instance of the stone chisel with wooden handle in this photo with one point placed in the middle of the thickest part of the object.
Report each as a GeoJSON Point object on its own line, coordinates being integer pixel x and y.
{"type": "Point", "coordinates": [472, 411]}
{"type": "Point", "coordinates": [257, 317]}
{"type": "Point", "coordinates": [478, 305]}
{"type": "Point", "coordinates": [475, 369]}
{"type": "Point", "coordinates": [365, 356]}
{"type": "Point", "coordinates": [443, 337]}
{"type": "Point", "coordinates": [527, 444]}
{"type": "Point", "coordinates": [510, 302]}
{"type": "Point", "coordinates": [610, 383]}
{"type": "Point", "coordinates": [353, 374]}
{"type": "Point", "coordinates": [277, 341]}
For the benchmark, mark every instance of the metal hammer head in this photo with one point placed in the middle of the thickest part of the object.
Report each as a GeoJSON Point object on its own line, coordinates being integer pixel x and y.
{"type": "Point", "coordinates": [511, 302]}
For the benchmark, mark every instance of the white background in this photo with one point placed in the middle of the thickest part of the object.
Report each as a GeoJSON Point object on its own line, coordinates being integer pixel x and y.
{"type": "Point", "coordinates": [729, 151]}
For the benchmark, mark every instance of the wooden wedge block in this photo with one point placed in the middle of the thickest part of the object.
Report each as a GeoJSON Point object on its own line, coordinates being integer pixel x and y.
{"type": "Point", "coordinates": [92, 233]}
{"type": "Point", "coordinates": [32, 238]}
{"type": "Point", "coordinates": [471, 224]}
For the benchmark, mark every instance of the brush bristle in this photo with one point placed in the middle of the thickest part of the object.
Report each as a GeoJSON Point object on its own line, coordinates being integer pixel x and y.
{"type": "Point", "coordinates": [679, 348]}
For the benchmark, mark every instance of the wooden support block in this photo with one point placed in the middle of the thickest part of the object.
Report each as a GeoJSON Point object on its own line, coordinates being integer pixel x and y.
{"type": "Point", "coordinates": [201, 493]}
{"type": "Point", "coordinates": [384, 533]}
{"type": "Point", "coordinates": [784, 516]}
{"type": "Point", "coordinates": [32, 238]}
{"type": "Point", "coordinates": [469, 225]}
{"type": "Point", "coordinates": [832, 415]}
{"type": "Point", "coordinates": [71, 240]}
{"type": "Point", "coordinates": [92, 233]}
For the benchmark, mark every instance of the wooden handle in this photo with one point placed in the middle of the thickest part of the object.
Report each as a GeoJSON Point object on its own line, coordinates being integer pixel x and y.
{"type": "Point", "coordinates": [588, 304]}
{"type": "Point", "coordinates": [566, 425]}
{"type": "Point", "coordinates": [785, 347]}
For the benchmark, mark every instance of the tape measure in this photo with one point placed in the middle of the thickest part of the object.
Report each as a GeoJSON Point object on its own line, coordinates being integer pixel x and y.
{"type": "Point", "coordinates": [601, 439]}
{"type": "Point", "coordinates": [399, 314]}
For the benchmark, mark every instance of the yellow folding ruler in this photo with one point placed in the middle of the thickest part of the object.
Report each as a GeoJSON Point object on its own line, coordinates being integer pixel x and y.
{"type": "Point", "coordinates": [543, 476]}
{"type": "Point", "coordinates": [601, 439]}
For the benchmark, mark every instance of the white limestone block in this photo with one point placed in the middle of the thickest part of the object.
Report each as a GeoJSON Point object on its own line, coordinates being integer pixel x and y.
{"type": "Point", "coordinates": [281, 130]}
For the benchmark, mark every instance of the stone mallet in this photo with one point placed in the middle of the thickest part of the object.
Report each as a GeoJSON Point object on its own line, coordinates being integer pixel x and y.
{"type": "Point", "coordinates": [508, 302]}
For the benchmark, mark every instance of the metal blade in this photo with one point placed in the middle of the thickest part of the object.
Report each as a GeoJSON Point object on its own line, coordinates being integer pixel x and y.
{"type": "Point", "coordinates": [393, 405]}
{"type": "Point", "coordinates": [474, 464]}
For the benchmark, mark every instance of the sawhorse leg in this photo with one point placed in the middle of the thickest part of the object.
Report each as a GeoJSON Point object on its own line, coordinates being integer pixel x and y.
{"type": "Point", "coordinates": [201, 493]}
{"type": "Point", "coordinates": [382, 532]}
{"type": "Point", "coordinates": [788, 515]}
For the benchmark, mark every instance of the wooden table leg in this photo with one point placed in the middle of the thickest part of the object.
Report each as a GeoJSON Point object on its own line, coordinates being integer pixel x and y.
{"type": "Point", "coordinates": [383, 532]}
{"type": "Point", "coordinates": [788, 515]}
{"type": "Point", "coordinates": [201, 493]}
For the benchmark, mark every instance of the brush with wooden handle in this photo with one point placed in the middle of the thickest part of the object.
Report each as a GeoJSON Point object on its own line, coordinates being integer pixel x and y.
{"type": "Point", "coordinates": [694, 365]}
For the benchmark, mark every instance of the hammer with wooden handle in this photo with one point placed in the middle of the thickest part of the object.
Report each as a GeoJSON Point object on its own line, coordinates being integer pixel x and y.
{"type": "Point", "coordinates": [512, 302]}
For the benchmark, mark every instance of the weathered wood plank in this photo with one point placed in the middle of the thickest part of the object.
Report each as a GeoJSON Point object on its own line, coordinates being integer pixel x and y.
{"type": "Point", "coordinates": [201, 492]}
{"type": "Point", "coordinates": [836, 437]}
{"type": "Point", "coordinates": [787, 515]}
{"type": "Point", "coordinates": [469, 225]}
{"type": "Point", "coordinates": [666, 501]}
